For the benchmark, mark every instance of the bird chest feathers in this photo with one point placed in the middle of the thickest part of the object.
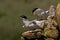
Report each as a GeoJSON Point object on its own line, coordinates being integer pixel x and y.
{"type": "Point", "coordinates": [26, 22]}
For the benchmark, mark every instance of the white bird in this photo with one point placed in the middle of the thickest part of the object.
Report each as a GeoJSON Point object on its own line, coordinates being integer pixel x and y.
{"type": "Point", "coordinates": [28, 24]}
{"type": "Point", "coordinates": [32, 24]}
{"type": "Point", "coordinates": [40, 13]}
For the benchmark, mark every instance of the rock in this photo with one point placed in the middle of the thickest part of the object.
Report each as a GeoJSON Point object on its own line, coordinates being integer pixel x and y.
{"type": "Point", "coordinates": [22, 38]}
{"type": "Point", "coordinates": [49, 39]}
{"type": "Point", "coordinates": [53, 33]}
{"type": "Point", "coordinates": [58, 14]}
{"type": "Point", "coordinates": [32, 34]}
{"type": "Point", "coordinates": [28, 34]}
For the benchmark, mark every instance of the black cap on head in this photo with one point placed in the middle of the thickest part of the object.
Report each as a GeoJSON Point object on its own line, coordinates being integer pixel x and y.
{"type": "Point", "coordinates": [23, 16]}
{"type": "Point", "coordinates": [34, 9]}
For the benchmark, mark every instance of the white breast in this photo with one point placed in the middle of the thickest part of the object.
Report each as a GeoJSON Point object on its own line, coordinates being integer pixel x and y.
{"type": "Point", "coordinates": [26, 22]}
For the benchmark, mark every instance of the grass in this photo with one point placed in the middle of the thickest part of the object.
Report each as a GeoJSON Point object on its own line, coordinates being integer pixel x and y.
{"type": "Point", "coordinates": [10, 24]}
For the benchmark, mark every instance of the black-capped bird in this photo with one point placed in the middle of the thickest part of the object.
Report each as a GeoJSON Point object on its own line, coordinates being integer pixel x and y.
{"type": "Point", "coordinates": [28, 25]}
{"type": "Point", "coordinates": [34, 24]}
{"type": "Point", "coordinates": [40, 13]}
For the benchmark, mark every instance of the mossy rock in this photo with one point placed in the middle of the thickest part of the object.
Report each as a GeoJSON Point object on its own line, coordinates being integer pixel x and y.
{"type": "Point", "coordinates": [58, 14]}
{"type": "Point", "coordinates": [52, 33]}
{"type": "Point", "coordinates": [49, 39]}
{"type": "Point", "coordinates": [22, 38]}
{"type": "Point", "coordinates": [28, 34]}
{"type": "Point", "coordinates": [32, 34]}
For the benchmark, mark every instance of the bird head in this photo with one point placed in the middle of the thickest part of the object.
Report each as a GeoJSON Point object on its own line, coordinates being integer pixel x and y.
{"type": "Point", "coordinates": [23, 16]}
{"type": "Point", "coordinates": [34, 10]}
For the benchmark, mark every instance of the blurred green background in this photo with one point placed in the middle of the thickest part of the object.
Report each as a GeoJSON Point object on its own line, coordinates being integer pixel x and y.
{"type": "Point", "coordinates": [10, 24]}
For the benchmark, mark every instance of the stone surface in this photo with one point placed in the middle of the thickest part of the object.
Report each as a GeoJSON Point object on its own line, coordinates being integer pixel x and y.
{"type": "Point", "coordinates": [58, 14]}
{"type": "Point", "coordinates": [53, 33]}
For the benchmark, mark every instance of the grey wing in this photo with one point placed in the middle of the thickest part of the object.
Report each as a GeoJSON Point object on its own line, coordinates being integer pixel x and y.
{"type": "Point", "coordinates": [33, 25]}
